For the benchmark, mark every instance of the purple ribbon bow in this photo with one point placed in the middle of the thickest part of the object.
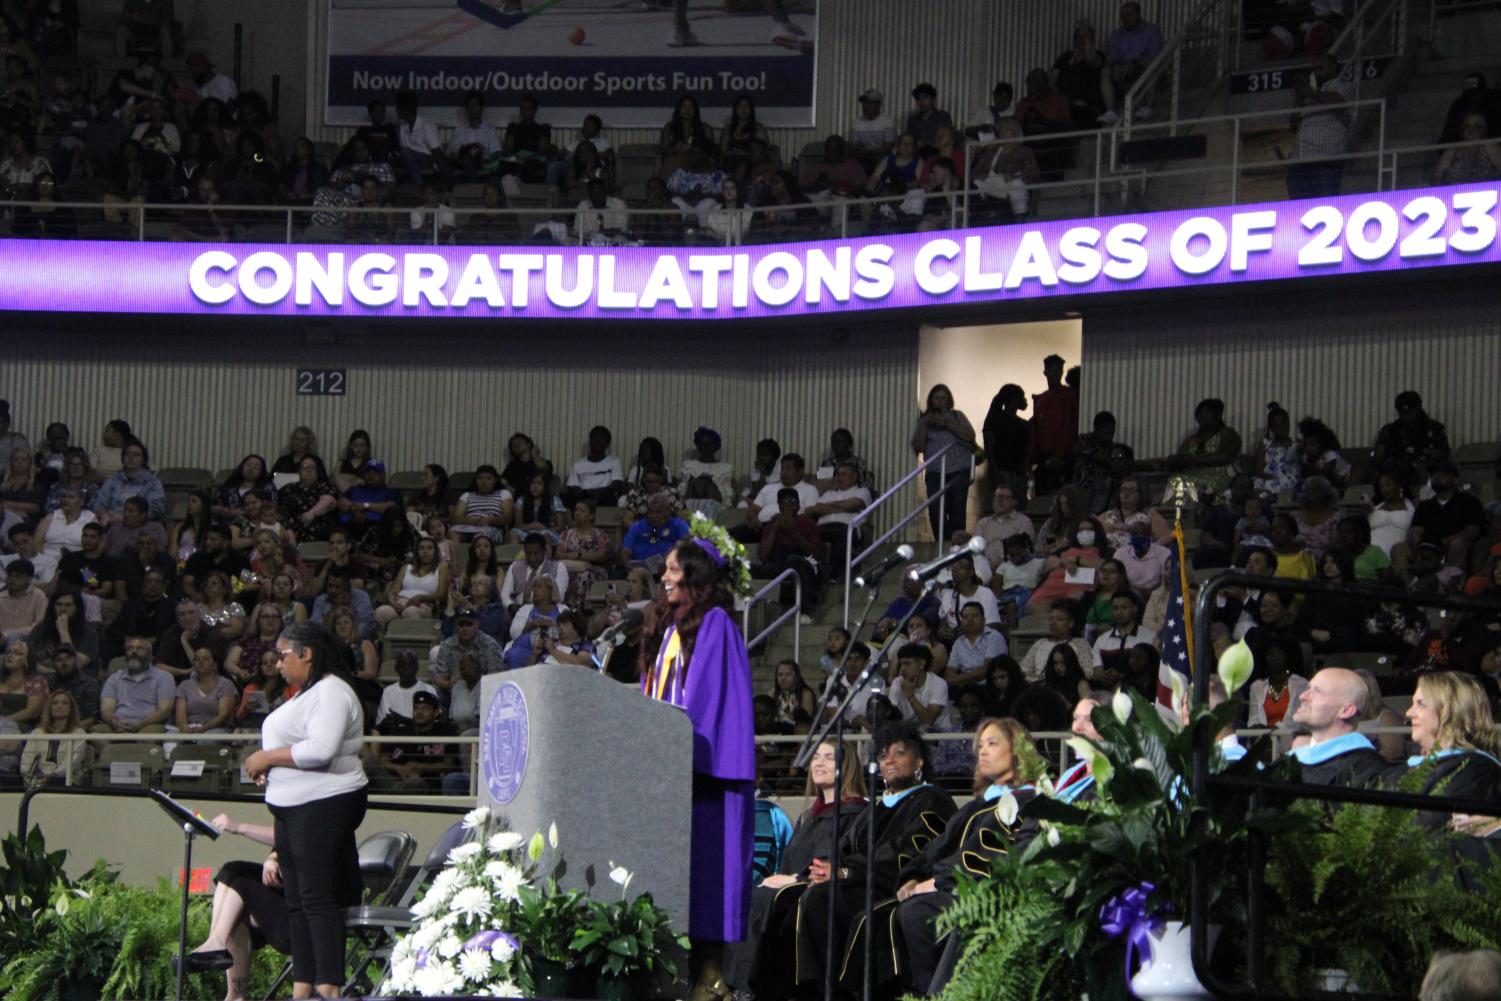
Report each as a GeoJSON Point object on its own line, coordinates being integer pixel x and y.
{"type": "Point", "coordinates": [486, 939]}
{"type": "Point", "coordinates": [1127, 912]}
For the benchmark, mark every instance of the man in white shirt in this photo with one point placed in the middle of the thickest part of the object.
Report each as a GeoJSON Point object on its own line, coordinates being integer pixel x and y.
{"type": "Point", "coordinates": [917, 693]}
{"type": "Point", "coordinates": [1063, 627]}
{"type": "Point", "coordinates": [706, 474]}
{"type": "Point", "coordinates": [976, 646]}
{"type": "Point", "coordinates": [473, 140]}
{"type": "Point", "coordinates": [396, 700]}
{"type": "Point", "coordinates": [23, 541]}
{"type": "Point", "coordinates": [421, 147]}
{"type": "Point", "coordinates": [517, 587]}
{"type": "Point", "coordinates": [854, 664]}
{"type": "Point", "coordinates": [597, 475]}
{"type": "Point", "coordinates": [871, 135]}
{"type": "Point", "coordinates": [835, 509]}
{"type": "Point", "coordinates": [209, 82]}
{"type": "Point", "coordinates": [1007, 521]}
{"type": "Point", "coordinates": [600, 213]}
{"type": "Point", "coordinates": [764, 507]}
{"type": "Point", "coordinates": [1112, 649]}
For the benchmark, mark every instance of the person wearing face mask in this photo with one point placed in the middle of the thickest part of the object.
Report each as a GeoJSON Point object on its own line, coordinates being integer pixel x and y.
{"type": "Point", "coordinates": [1083, 550]}
{"type": "Point", "coordinates": [1143, 558]}
{"type": "Point", "coordinates": [138, 699]}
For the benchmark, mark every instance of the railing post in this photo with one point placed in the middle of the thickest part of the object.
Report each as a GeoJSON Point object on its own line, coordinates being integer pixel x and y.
{"type": "Point", "coordinates": [1380, 140]}
{"type": "Point", "coordinates": [969, 172]}
{"type": "Point", "coordinates": [849, 566]}
{"type": "Point", "coordinates": [141, 223]}
{"type": "Point", "coordinates": [943, 496]}
{"type": "Point", "coordinates": [1235, 162]}
{"type": "Point", "coordinates": [1098, 148]}
{"type": "Point", "coordinates": [289, 224]}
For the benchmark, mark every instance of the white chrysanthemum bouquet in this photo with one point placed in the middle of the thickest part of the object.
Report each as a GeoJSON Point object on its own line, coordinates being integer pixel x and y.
{"type": "Point", "coordinates": [466, 939]}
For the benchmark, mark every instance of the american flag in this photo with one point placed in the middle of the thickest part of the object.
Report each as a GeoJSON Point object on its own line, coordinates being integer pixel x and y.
{"type": "Point", "coordinates": [1177, 627]}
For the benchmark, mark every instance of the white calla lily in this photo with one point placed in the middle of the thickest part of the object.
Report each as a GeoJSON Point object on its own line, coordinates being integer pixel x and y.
{"type": "Point", "coordinates": [1235, 666]}
{"type": "Point", "coordinates": [1120, 704]}
{"type": "Point", "coordinates": [1007, 809]}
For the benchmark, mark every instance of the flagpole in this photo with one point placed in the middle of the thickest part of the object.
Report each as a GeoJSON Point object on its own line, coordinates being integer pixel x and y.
{"type": "Point", "coordinates": [1183, 491]}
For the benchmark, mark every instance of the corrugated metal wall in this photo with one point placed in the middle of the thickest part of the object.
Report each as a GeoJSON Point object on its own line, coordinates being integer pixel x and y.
{"type": "Point", "coordinates": [1341, 354]}
{"type": "Point", "coordinates": [455, 395]}
{"type": "Point", "coordinates": [962, 47]}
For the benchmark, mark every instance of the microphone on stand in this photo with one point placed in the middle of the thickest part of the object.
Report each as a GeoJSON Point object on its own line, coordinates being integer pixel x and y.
{"type": "Point", "coordinates": [932, 568]}
{"type": "Point", "coordinates": [871, 577]}
{"type": "Point", "coordinates": [615, 635]}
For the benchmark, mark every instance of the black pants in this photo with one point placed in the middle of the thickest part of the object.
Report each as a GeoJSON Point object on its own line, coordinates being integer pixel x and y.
{"type": "Point", "coordinates": [319, 867]}
{"type": "Point", "coordinates": [921, 946]}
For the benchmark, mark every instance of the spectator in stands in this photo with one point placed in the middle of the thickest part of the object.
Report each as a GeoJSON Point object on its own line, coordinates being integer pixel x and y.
{"type": "Point", "coordinates": [205, 702]}
{"type": "Point", "coordinates": [533, 565]}
{"type": "Point", "coordinates": [763, 468]}
{"type": "Point", "coordinates": [49, 762]}
{"type": "Point", "coordinates": [338, 592]}
{"type": "Point", "coordinates": [381, 139]}
{"type": "Point", "coordinates": [74, 473]}
{"type": "Point", "coordinates": [600, 215]}
{"type": "Point", "coordinates": [523, 461]}
{"type": "Point", "coordinates": [789, 541]}
{"type": "Point", "coordinates": [1007, 435]}
{"type": "Point", "coordinates": [473, 141]}
{"type": "Point", "coordinates": [1065, 626]}
{"type": "Point", "coordinates": [707, 481]}
{"type": "Point", "coordinates": [1368, 561]}
{"type": "Point", "coordinates": [214, 555]}
{"type": "Point", "coordinates": [1320, 133]}
{"type": "Point", "coordinates": [684, 131]}
{"type": "Point", "coordinates": [1389, 513]}
{"type": "Point", "coordinates": [251, 475]}
{"type": "Point", "coordinates": [649, 539]}
{"type": "Point", "coordinates": [90, 570]}
{"type": "Point", "coordinates": [21, 493]}
{"type": "Point", "coordinates": [1278, 459]}
{"type": "Point", "coordinates": [1293, 559]}
{"type": "Point", "coordinates": [911, 594]}
{"type": "Point", "coordinates": [1077, 74]}
{"type": "Point", "coordinates": [1129, 504]}
{"type": "Point", "coordinates": [591, 157]}
{"type": "Point", "coordinates": [23, 543]}
{"type": "Point", "coordinates": [1451, 519]}
{"type": "Point", "coordinates": [918, 694]}
{"type": "Point", "coordinates": [44, 219]}
{"type": "Point", "coordinates": [209, 82]}
{"type": "Point", "coordinates": [308, 506]}
{"type": "Point", "coordinates": [872, 133]}
{"type": "Point", "coordinates": [584, 551]}
{"type": "Point", "coordinates": [224, 616]}
{"type": "Point", "coordinates": [597, 475]}
{"type": "Point", "coordinates": [1331, 708]}
{"type": "Point", "coordinates": [795, 701]}
{"type": "Point", "coordinates": [182, 641]}
{"type": "Point", "coordinates": [242, 663]}
{"type": "Point", "coordinates": [787, 211]}
{"type": "Point", "coordinates": [135, 479]}
{"type": "Point", "coordinates": [961, 585]}
{"type": "Point", "coordinates": [1410, 445]}
{"type": "Point", "coordinates": [121, 537]}
{"type": "Point", "coordinates": [1113, 647]}
{"type": "Point", "coordinates": [986, 120]}
{"type": "Point", "coordinates": [468, 640]}
{"type": "Point", "coordinates": [433, 221]}
{"type": "Point", "coordinates": [1272, 700]}
{"type": "Point", "coordinates": [482, 598]}
{"type": "Point", "coordinates": [1206, 457]}
{"type": "Point", "coordinates": [926, 117]}
{"type": "Point", "coordinates": [837, 175]}
{"type": "Point", "coordinates": [540, 615]}
{"type": "Point", "coordinates": [1090, 462]}
{"type": "Point", "coordinates": [397, 700]}
{"type": "Point", "coordinates": [648, 481]}
{"type": "Point", "coordinates": [148, 553]}
{"type": "Point", "coordinates": [1044, 109]}
{"type": "Point", "coordinates": [420, 586]}
{"type": "Point", "coordinates": [464, 696]}
{"type": "Point", "coordinates": [835, 509]}
{"type": "Point", "coordinates": [975, 648]}
{"type": "Point", "coordinates": [301, 177]}
{"type": "Point", "coordinates": [1128, 52]}
{"type": "Point", "coordinates": [419, 767]}
{"type": "Point", "coordinates": [1017, 576]}
{"type": "Point", "coordinates": [1317, 515]}
{"type": "Point", "coordinates": [1319, 452]}
{"type": "Point", "coordinates": [145, 24]}
{"type": "Point", "coordinates": [301, 443]}
{"type": "Point", "coordinates": [736, 136]}
{"type": "Point", "coordinates": [538, 512]}
{"type": "Point", "coordinates": [156, 134]}
{"type": "Point", "coordinates": [896, 173]}
{"type": "Point", "coordinates": [421, 148]}
{"type": "Point", "coordinates": [1054, 427]}
{"type": "Point", "coordinates": [23, 605]}
{"type": "Point", "coordinates": [1110, 580]}
{"type": "Point", "coordinates": [767, 505]}
{"type": "Point", "coordinates": [940, 427]}
{"type": "Point", "coordinates": [23, 690]}
{"type": "Point", "coordinates": [480, 562]}
{"type": "Point", "coordinates": [485, 509]}
{"type": "Point", "coordinates": [528, 142]}
{"type": "Point", "coordinates": [1083, 547]}
{"type": "Point", "coordinates": [1003, 522]}
{"type": "Point", "coordinates": [138, 699]}
{"type": "Point", "coordinates": [1143, 559]}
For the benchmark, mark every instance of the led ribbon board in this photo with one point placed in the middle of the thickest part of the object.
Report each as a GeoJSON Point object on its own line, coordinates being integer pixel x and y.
{"type": "Point", "coordinates": [1226, 245]}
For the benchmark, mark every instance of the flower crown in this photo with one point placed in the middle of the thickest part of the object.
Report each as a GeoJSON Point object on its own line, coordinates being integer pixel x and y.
{"type": "Point", "coordinates": [712, 538]}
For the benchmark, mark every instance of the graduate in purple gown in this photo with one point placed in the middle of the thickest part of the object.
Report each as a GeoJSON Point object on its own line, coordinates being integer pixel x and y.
{"type": "Point", "coordinates": [695, 658]}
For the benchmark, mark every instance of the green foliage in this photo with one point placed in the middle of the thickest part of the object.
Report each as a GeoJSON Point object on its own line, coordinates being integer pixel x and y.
{"type": "Point", "coordinates": [27, 883]}
{"type": "Point", "coordinates": [546, 919]}
{"type": "Point", "coordinates": [1373, 893]}
{"type": "Point", "coordinates": [627, 937]}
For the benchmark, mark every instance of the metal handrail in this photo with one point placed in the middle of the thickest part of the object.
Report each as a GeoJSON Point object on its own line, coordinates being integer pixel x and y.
{"type": "Point", "coordinates": [1140, 93]}
{"type": "Point", "coordinates": [851, 560]}
{"type": "Point", "coordinates": [795, 612]}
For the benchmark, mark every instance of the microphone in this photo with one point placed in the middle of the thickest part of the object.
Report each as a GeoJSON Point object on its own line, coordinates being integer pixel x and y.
{"type": "Point", "coordinates": [871, 577]}
{"type": "Point", "coordinates": [932, 568]}
{"type": "Point", "coordinates": [614, 634]}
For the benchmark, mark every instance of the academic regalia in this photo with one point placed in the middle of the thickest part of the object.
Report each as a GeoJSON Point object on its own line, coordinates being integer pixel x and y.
{"type": "Point", "coordinates": [1076, 784]}
{"type": "Point", "coordinates": [1458, 772]}
{"type": "Point", "coordinates": [770, 929]}
{"type": "Point", "coordinates": [904, 824]}
{"type": "Point", "coordinates": [1347, 760]}
{"type": "Point", "coordinates": [715, 691]}
{"type": "Point", "coordinates": [906, 946]}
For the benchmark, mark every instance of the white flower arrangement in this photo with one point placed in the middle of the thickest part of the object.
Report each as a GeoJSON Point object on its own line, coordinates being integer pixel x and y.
{"type": "Point", "coordinates": [463, 942]}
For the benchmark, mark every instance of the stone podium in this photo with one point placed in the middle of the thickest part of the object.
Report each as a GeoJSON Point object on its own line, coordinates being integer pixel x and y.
{"type": "Point", "coordinates": [613, 769]}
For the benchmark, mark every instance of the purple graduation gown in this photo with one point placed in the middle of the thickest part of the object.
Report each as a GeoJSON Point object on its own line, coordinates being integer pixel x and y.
{"type": "Point", "coordinates": [715, 692]}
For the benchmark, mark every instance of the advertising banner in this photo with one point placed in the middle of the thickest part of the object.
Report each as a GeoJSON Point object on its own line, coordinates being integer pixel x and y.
{"type": "Point", "coordinates": [629, 62]}
{"type": "Point", "coordinates": [1227, 245]}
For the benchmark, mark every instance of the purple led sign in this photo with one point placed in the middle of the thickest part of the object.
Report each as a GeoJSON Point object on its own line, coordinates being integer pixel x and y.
{"type": "Point", "coordinates": [1354, 234]}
